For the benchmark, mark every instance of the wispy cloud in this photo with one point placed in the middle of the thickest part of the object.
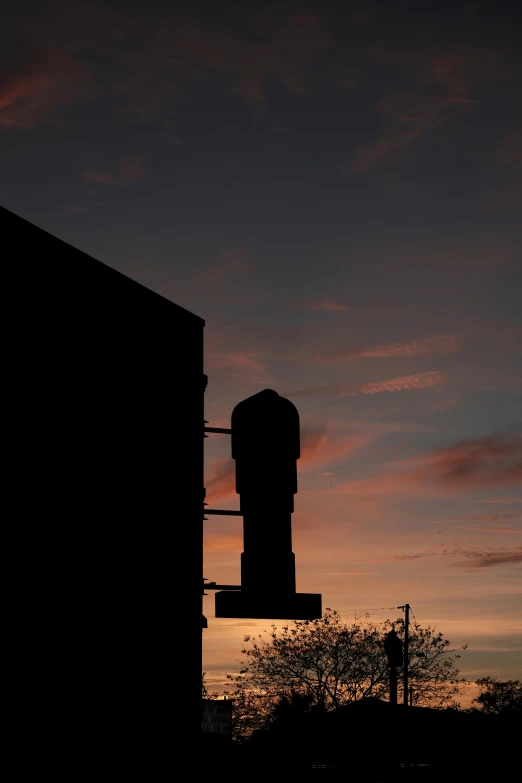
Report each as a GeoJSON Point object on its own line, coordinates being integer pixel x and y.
{"type": "Point", "coordinates": [494, 460]}
{"type": "Point", "coordinates": [496, 530]}
{"type": "Point", "coordinates": [103, 177]}
{"type": "Point", "coordinates": [221, 483]}
{"type": "Point", "coordinates": [319, 448]}
{"type": "Point", "coordinates": [500, 517]}
{"type": "Point", "coordinates": [222, 542]}
{"type": "Point", "coordinates": [70, 209]}
{"type": "Point", "coordinates": [327, 304]}
{"type": "Point", "coordinates": [445, 86]}
{"type": "Point", "coordinates": [468, 558]}
{"type": "Point", "coordinates": [480, 558]}
{"type": "Point", "coordinates": [416, 556]}
{"type": "Point", "coordinates": [243, 366]}
{"type": "Point", "coordinates": [491, 519]}
{"type": "Point", "coordinates": [131, 167]}
{"type": "Point", "coordinates": [348, 573]}
{"type": "Point", "coordinates": [440, 344]}
{"type": "Point", "coordinates": [228, 266]}
{"type": "Point", "coordinates": [491, 461]}
{"type": "Point", "coordinates": [499, 500]}
{"type": "Point", "coordinates": [423, 380]}
{"type": "Point", "coordinates": [30, 96]}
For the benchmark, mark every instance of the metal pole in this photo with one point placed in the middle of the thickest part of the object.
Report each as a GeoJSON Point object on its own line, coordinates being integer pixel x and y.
{"type": "Point", "coordinates": [406, 640]}
{"type": "Point", "coordinates": [393, 686]}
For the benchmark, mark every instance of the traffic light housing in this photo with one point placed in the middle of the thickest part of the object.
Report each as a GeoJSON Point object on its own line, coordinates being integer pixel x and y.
{"type": "Point", "coordinates": [394, 649]}
{"type": "Point", "coordinates": [266, 447]}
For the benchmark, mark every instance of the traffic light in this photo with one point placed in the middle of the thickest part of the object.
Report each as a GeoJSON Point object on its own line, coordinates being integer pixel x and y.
{"type": "Point", "coordinates": [393, 649]}
{"type": "Point", "coordinates": [266, 447]}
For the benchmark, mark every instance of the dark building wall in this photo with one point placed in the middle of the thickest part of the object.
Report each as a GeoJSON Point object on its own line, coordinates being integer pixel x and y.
{"type": "Point", "coordinates": [105, 382]}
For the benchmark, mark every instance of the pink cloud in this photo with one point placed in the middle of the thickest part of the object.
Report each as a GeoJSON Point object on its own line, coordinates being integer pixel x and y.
{"type": "Point", "coordinates": [445, 86]}
{"type": "Point", "coordinates": [442, 344]}
{"type": "Point", "coordinates": [240, 366]}
{"type": "Point", "coordinates": [30, 97]}
{"type": "Point", "coordinates": [327, 304]}
{"type": "Point", "coordinates": [422, 380]}
{"type": "Point", "coordinates": [318, 448]}
{"type": "Point", "coordinates": [321, 448]}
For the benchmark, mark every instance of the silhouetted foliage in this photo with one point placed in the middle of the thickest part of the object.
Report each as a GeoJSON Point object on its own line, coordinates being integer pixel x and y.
{"type": "Point", "coordinates": [324, 664]}
{"type": "Point", "coordinates": [498, 697]}
{"type": "Point", "coordinates": [204, 691]}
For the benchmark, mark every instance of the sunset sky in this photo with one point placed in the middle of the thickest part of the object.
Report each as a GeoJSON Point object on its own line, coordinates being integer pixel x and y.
{"type": "Point", "coordinates": [339, 195]}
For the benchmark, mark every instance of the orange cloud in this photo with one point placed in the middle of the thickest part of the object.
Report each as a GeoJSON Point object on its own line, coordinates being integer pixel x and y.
{"type": "Point", "coordinates": [318, 448]}
{"type": "Point", "coordinates": [222, 482]}
{"type": "Point", "coordinates": [327, 304]}
{"type": "Point", "coordinates": [221, 543]}
{"type": "Point", "coordinates": [491, 461]}
{"type": "Point", "coordinates": [423, 380]}
{"type": "Point", "coordinates": [348, 573]}
{"type": "Point", "coordinates": [446, 343]}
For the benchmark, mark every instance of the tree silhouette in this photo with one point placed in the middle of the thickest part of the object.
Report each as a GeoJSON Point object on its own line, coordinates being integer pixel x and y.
{"type": "Point", "coordinates": [324, 664]}
{"type": "Point", "coordinates": [497, 697]}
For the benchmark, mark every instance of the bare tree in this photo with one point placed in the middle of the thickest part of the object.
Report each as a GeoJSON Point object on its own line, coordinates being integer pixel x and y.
{"type": "Point", "coordinates": [324, 664]}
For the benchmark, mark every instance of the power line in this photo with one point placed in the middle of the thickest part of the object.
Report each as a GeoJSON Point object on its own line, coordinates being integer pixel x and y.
{"type": "Point", "coordinates": [414, 618]}
{"type": "Point", "coordinates": [374, 609]}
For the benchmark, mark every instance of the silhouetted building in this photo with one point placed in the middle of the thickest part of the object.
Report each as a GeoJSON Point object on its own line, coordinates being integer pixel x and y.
{"type": "Point", "coordinates": [105, 399]}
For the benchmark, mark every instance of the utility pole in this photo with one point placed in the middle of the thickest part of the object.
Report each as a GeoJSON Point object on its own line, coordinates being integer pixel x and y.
{"type": "Point", "coordinates": [406, 608]}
